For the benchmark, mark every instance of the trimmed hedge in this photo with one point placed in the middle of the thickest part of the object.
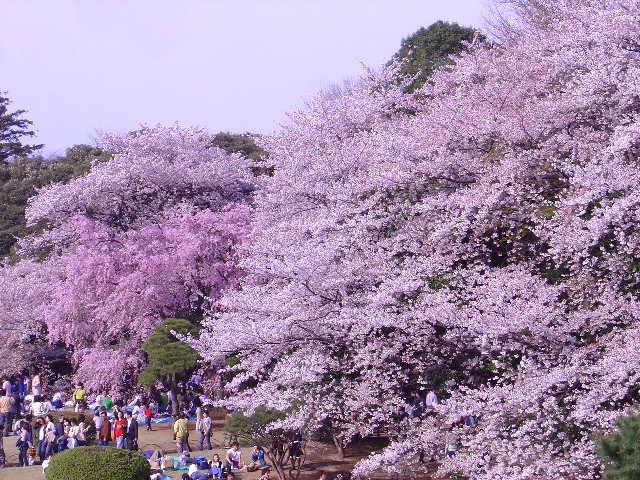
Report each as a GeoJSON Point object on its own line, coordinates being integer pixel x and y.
{"type": "Point", "coordinates": [98, 463]}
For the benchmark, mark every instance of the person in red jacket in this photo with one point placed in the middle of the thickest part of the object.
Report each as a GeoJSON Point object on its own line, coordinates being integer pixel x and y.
{"type": "Point", "coordinates": [119, 429]}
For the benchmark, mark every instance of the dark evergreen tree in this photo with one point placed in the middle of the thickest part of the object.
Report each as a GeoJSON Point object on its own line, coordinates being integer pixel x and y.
{"type": "Point", "coordinates": [169, 358]}
{"type": "Point", "coordinates": [12, 129]}
{"type": "Point", "coordinates": [429, 48]}
{"type": "Point", "coordinates": [20, 178]}
{"type": "Point", "coordinates": [245, 145]}
{"type": "Point", "coordinates": [621, 451]}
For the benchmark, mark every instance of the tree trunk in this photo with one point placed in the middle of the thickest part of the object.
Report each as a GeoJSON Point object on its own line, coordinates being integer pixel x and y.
{"type": "Point", "coordinates": [337, 440]}
{"type": "Point", "coordinates": [277, 463]}
{"type": "Point", "coordinates": [174, 397]}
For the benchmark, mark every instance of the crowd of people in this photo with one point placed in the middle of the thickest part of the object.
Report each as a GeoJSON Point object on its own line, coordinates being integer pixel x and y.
{"type": "Point", "coordinates": [39, 419]}
{"type": "Point", "coordinates": [28, 411]}
{"type": "Point", "coordinates": [201, 469]}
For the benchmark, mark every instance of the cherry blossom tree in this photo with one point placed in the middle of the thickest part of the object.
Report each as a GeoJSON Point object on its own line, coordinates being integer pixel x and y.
{"type": "Point", "coordinates": [24, 290]}
{"type": "Point", "coordinates": [152, 233]}
{"type": "Point", "coordinates": [479, 236]}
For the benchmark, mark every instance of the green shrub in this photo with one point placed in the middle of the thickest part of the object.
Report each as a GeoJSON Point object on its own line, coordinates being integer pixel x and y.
{"type": "Point", "coordinates": [620, 451]}
{"type": "Point", "coordinates": [98, 463]}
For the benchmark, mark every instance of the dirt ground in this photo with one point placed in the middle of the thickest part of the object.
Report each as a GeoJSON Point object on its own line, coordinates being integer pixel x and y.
{"type": "Point", "coordinates": [319, 456]}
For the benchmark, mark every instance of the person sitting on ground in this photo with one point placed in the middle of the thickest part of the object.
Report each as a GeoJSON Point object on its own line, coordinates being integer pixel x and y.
{"type": "Point", "coordinates": [56, 401]}
{"type": "Point", "coordinates": [216, 467]}
{"type": "Point", "coordinates": [185, 460]}
{"type": "Point", "coordinates": [266, 474]}
{"type": "Point", "coordinates": [39, 407]}
{"type": "Point", "coordinates": [234, 457]}
{"type": "Point", "coordinates": [97, 400]}
{"type": "Point", "coordinates": [107, 403]}
{"type": "Point", "coordinates": [453, 441]}
{"type": "Point", "coordinates": [194, 474]}
{"type": "Point", "coordinates": [257, 459]}
{"type": "Point", "coordinates": [157, 474]}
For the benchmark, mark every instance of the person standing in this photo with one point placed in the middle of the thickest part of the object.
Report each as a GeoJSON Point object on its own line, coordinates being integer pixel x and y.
{"type": "Point", "coordinates": [15, 409]}
{"type": "Point", "coordinates": [431, 400]}
{"type": "Point", "coordinates": [417, 405]}
{"type": "Point", "coordinates": [17, 380]}
{"type": "Point", "coordinates": [6, 384]}
{"type": "Point", "coordinates": [26, 381]}
{"type": "Point", "coordinates": [6, 402]}
{"type": "Point", "coordinates": [119, 429]}
{"type": "Point", "coordinates": [49, 435]}
{"type": "Point", "coordinates": [23, 444]}
{"type": "Point", "coordinates": [198, 419]}
{"type": "Point", "coordinates": [104, 436]}
{"type": "Point", "coordinates": [2, 456]}
{"type": "Point", "coordinates": [78, 397]}
{"type": "Point", "coordinates": [40, 425]}
{"type": "Point", "coordinates": [84, 430]}
{"type": "Point", "coordinates": [61, 434]}
{"type": "Point", "coordinates": [148, 415]}
{"type": "Point", "coordinates": [36, 386]}
{"type": "Point", "coordinates": [132, 432]}
{"type": "Point", "coordinates": [181, 433]}
{"type": "Point", "coordinates": [73, 433]}
{"type": "Point", "coordinates": [205, 430]}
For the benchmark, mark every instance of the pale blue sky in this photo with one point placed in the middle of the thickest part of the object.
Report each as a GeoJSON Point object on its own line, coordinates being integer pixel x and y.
{"type": "Point", "coordinates": [79, 66]}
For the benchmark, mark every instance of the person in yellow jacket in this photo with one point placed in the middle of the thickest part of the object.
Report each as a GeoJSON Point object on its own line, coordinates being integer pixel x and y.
{"type": "Point", "coordinates": [181, 433]}
{"type": "Point", "coordinates": [6, 401]}
{"type": "Point", "coordinates": [78, 396]}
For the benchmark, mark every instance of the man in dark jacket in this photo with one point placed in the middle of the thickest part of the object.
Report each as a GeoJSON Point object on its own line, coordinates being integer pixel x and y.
{"type": "Point", "coordinates": [131, 435]}
{"type": "Point", "coordinates": [61, 438]}
{"type": "Point", "coordinates": [15, 409]}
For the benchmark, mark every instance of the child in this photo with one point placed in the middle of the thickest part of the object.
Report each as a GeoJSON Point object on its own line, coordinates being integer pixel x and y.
{"type": "Point", "coordinates": [45, 462]}
{"type": "Point", "coordinates": [265, 474]}
{"type": "Point", "coordinates": [148, 414]}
